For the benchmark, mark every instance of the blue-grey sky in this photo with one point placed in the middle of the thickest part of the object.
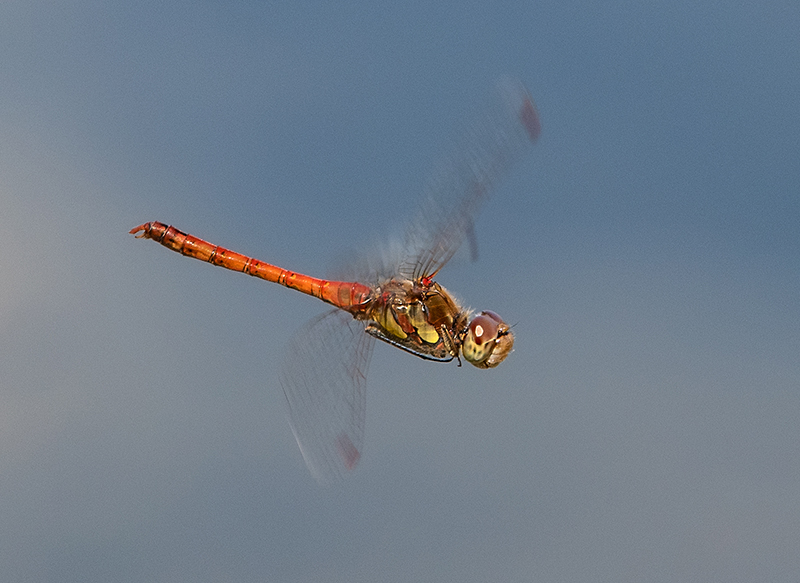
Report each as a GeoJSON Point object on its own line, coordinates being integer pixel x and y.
{"type": "Point", "coordinates": [647, 426]}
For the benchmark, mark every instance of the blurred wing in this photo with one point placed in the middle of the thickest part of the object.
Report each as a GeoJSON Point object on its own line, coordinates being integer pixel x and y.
{"type": "Point", "coordinates": [324, 377]}
{"type": "Point", "coordinates": [488, 149]}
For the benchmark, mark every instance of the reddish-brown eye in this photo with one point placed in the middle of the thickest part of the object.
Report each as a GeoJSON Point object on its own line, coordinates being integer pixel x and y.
{"type": "Point", "coordinates": [487, 341]}
{"type": "Point", "coordinates": [493, 315]}
{"type": "Point", "coordinates": [483, 328]}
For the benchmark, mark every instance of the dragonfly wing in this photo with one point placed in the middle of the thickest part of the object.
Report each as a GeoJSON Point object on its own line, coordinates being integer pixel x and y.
{"type": "Point", "coordinates": [489, 147]}
{"type": "Point", "coordinates": [324, 377]}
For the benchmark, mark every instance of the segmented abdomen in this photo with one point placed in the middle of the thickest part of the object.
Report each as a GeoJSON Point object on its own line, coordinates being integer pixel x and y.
{"type": "Point", "coordinates": [347, 295]}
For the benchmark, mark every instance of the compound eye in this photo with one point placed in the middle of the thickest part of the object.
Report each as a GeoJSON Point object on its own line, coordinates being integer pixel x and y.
{"type": "Point", "coordinates": [483, 328]}
{"type": "Point", "coordinates": [487, 341]}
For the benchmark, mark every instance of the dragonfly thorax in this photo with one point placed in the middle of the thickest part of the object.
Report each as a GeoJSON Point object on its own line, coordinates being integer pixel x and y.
{"type": "Point", "coordinates": [421, 317]}
{"type": "Point", "coordinates": [418, 316]}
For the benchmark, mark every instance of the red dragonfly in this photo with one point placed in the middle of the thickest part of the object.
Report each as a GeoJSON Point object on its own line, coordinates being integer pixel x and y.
{"type": "Point", "coordinates": [324, 373]}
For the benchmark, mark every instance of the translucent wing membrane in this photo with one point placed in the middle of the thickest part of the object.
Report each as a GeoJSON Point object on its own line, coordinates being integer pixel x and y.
{"type": "Point", "coordinates": [324, 373]}
{"type": "Point", "coordinates": [488, 149]}
{"type": "Point", "coordinates": [324, 377]}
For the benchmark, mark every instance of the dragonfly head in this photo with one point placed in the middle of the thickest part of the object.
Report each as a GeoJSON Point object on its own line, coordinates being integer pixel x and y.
{"type": "Point", "coordinates": [488, 340]}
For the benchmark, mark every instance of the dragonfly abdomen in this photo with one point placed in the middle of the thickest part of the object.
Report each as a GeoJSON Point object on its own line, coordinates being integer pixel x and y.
{"type": "Point", "coordinates": [347, 295]}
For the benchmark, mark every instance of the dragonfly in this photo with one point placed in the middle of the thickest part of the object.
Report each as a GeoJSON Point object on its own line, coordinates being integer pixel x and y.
{"type": "Point", "coordinates": [324, 372]}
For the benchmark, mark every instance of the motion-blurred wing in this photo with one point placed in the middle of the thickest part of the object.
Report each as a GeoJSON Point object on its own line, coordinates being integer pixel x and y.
{"type": "Point", "coordinates": [324, 377]}
{"type": "Point", "coordinates": [488, 149]}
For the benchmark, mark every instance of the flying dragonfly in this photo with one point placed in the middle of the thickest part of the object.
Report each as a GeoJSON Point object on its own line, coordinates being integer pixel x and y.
{"type": "Point", "coordinates": [324, 373]}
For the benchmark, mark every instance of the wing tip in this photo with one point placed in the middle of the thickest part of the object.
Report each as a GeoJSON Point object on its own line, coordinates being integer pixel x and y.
{"type": "Point", "coordinates": [519, 100]}
{"type": "Point", "coordinates": [347, 451]}
{"type": "Point", "coordinates": [530, 119]}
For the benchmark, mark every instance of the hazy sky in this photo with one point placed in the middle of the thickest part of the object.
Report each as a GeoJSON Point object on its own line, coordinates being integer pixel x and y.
{"type": "Point", "coordinates": [647, 426]}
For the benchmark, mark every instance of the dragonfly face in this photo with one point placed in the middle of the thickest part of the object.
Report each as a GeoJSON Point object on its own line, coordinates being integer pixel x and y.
{"type": "Point", "coordinates": [488, 340]}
